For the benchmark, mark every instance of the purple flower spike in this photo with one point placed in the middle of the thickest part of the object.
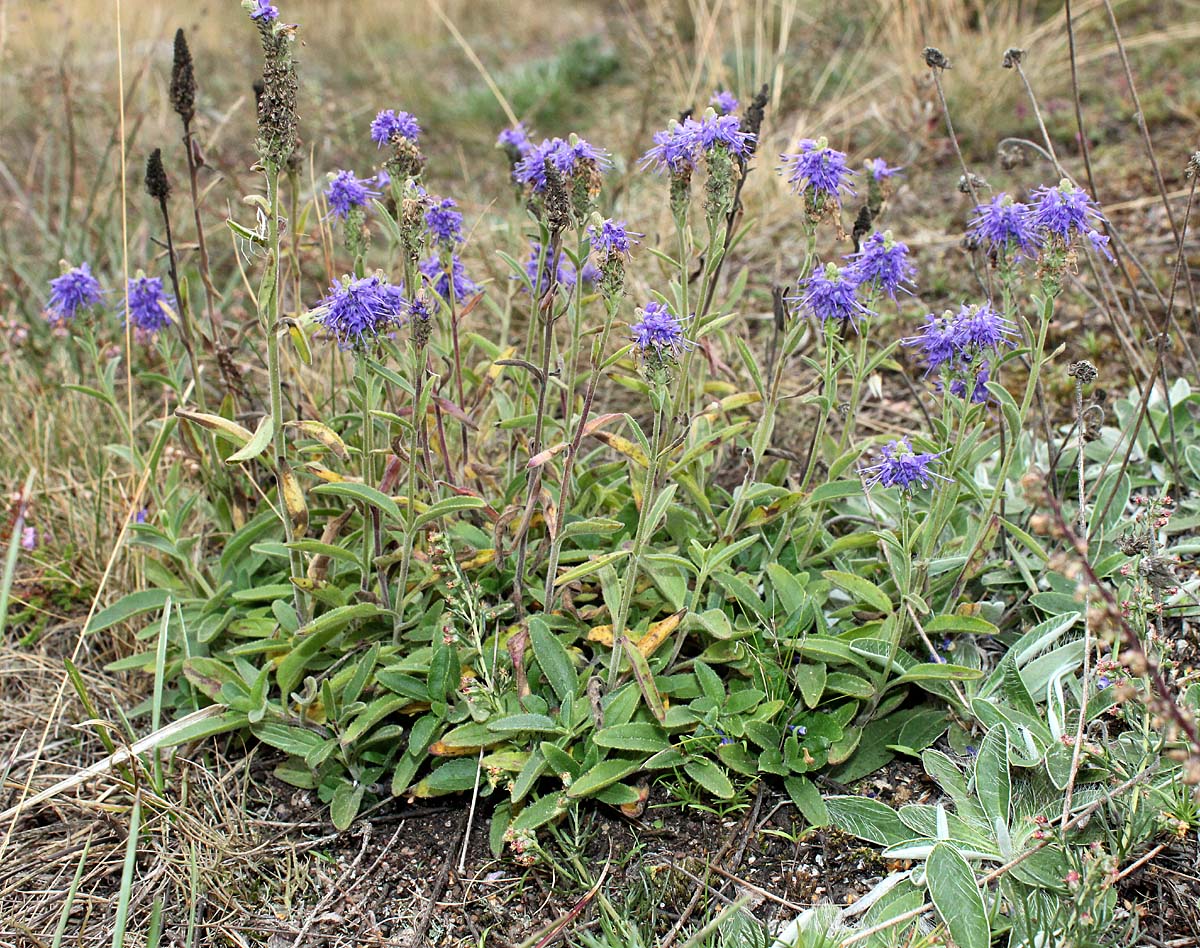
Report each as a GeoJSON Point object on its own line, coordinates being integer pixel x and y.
{"type": "Point", "coordinates": [937, 340]}
{"type": "Point", "coordinates": [390, 124]}
{"type": "Point", "coordinates": [659, 333]}
{"type": "Point", "coordinates": [564, 270]}
{"type": "Point", "coordinates": [831, 294]}
{"type": "Point", "coordinates": [724, 102]}
{"type": "Point", "coordinates": [564, 156]}
{"type": "Point", "coordinates": [817, 171]}
{"type": "Point", "coordinates": [883, 263]}
{"type": "Point", "coordinates": [982, 327]}
{"type": "Point", "coordinates": [346, 191]}
{"type": "Point", "coordinates": [75, 290]}
{"type": "Point", "coordinates": [900, 466]}
{"type": "Point", "coordinates": [149, 305]}
{"type": "Point", "coordinates": [356, 311]}
{"type": "Point", "coordinates": [1004, 226]}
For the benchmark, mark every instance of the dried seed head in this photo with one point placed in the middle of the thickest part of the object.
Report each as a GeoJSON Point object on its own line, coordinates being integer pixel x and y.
{"type": "Point", "coordinates": [157, 185]}
{"type": "Point", "coordinates": [971, 181]}
{"type": "Point", "coordinates": [277, 118]}
{"type": "Point", "coordinates": [753, 119]}
{"type": "Point", "coordinates": [935, 58]}
{"type": "Point", "coordinates": [183, 80]}
{"type": "Point", "coordinates": [1082, 371]}
{"type": "Point", "coordinates": [1158, 572]}
{"type": "Point", "coordinates": [1013, 57]}
{"type": "Point", "coordinates": [1193, 165]}
{"type": "Point", "coordinates": [1133, 544]}
{"type": "Point", "coordinates": [557, 199]}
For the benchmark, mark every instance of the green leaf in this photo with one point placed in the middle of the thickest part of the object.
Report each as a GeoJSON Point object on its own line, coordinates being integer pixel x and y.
{"type": "Point", "coordinates": [453, 776]}
{"type": "Point", "coordinates": [363, 494]}
{"type": "Point", "coordinates": [147, 600]}
{"type": "Point", "coordinates": [711, 777]}
{"type": "Point", "coordinates": [645, 679]}
{"type": "Point", "coordinates": [968, 625]}
{"type": "Point", "coordinates": [375, 712]}
{"type": "Point", "coordinates": [343, 808]}
{"type": "Point", "coordinates": [993, 783]}
{"type": "Point", "coordinates": [593, 565]}
{"type": "Point", "coordinates": [860, 590]}
{"type": "Point", "coordinates": [867, 819]}
{"type": "Point", "coordinates": [553, 659]}
{"type": "Point", "coordinates": [296, 741]}
{"type": "Point", "coordinates": [638, 736]}
{"type": "Point", "coordinates": [518, 723]}
{"type": "Point", "coordinates": [256, 446]}
{"type": "Point", "coordinates": [807, 797]}
{"type": "Point", "coordinates": [811, 679]}
{"type": "Point", "coordinates": [937, 671]}
{"type": "Point", "coordinates": [315, 636]}
{"type": "Point", "coordinates": [956, 896]}
{"type": "Point", "coordinates": [603, 774]}
{"type": "Point", "coordinates": [448, 506]}
{"type": "Point", "coordinates": [540, 812]}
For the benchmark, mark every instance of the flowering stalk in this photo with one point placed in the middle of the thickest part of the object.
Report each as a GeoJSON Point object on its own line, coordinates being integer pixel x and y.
{"type": "Point", "coordinates": [269, 316]}
{"type": "Point", "coordinates": [646, 515]}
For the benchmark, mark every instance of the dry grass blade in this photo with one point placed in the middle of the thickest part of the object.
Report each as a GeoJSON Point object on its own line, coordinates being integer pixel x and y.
{"type": "Point", "coordinates": [159, 738]}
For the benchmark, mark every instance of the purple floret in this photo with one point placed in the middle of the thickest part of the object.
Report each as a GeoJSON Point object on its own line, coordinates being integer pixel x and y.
{"type": "Point", "coordinates": [346, 191]}
{"type": "Point", "coordinates": [444, 223]}
{"type": "Point", "coordinates": [883, 263]}
{"type": "Point", "coordinates": [389, 125]}
{"type": "Point", "coordinates": [674, 150]}
{"type": "Point", "coordinates": [564, 156]}
{"type": "Point", "coordinates": [659, 333]}
{"type": "Point", "coordinates": [900, 466]}
{"type": "Point", "coordinates": [515, 139]}
{"type": "Point", "coordinates": [818, 170]}
{"type": "Point", "coordinates": [1006, 226]}
{"type": "Point", "coordinates": [613, 238]}
{"type": "Point", "coordinates": [714, 130]}
{"type": "Point", "coordinates": [1067, 212]}
{"type": "Point", "coordinates": [75, 290]}
{"type": "Point", "coordinates": [356, 311]}
{"type": "Point", "coordinates": [831, 293]}
{"type": "Point", "coordinates": [879, 169]}
{"type": "Point", "coordinates": [441, 281]}
{"type": "Point", "coordinates": [149, 304]}
{"type": "Point", "coordinates": [264, 10]}
{"type": "Point", "coordinates": [724, 102]}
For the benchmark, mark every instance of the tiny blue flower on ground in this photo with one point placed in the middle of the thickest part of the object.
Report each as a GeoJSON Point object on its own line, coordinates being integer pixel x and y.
{"type": "Point", "coordinates": [818, 171]}
{"type": "Point", "coordinates": [674, 151]}
{"type": "Point", "coordinates": [900, 466]}
{"type": "Point", "coordinates": [75, 290]}
{"type": "Point", "coordinates": [1004, 226]}
{"type": "Point", "coordinates": [346, 191]}
{"type": "Point", "coordinates": [390, 124]}
{"type": "Point", "coordinates": [879, 169]}
{"type": "Point", "coordinates": [1067, 212]}
{"type": "Point", "coordinates": [659, 333]}
{"type": "Point", "coordinates": [441, 281]}
{"type": "Point", "coordinates": [882, 263]}
{"type": "Point", "coordinates": [264, 10]}
{"type": "Point", "coordinates": [444, 223]}
{"type": "Point", "coordinates": [149, 305]}
{"type": "Point", "coordinates": [515, 139]}
{"type": "Point", "coordinates": [831, 293]}
{"type": "Point", "coordinates": [356, 311]}
{"type": "Point", "coordinates": [797, 729]}
{"type": "Point", "coordinates": [724, 102]}
{"type": "Point", "coordinates": [714, 130]}
{"type": "Point", "coordinates": [612, 238]}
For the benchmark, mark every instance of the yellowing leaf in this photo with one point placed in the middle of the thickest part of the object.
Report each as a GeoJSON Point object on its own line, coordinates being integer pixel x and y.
{"type": "Point", "coordinates": [658, 633]}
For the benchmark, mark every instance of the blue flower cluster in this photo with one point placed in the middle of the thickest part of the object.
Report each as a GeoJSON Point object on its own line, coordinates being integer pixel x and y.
{"type": "Point", "coordinates": [566, 157]}
{"type": "Point", "coordinates": [818, 172]}
{"type": "Point", "coordinates": [681, 146]}
{"type": "Point", "coordinates": [658, 335]}
{"type": "Point", "coordinates": [75, 290]}
{"type": "Point", "coordinates": [564, 271]}
{"type": "Point", "coordinates": [1056, 217]}
{"type": "Point", "coordinates": [444, 279]}
{"type": "Point", "coordinates": [900, 466]}
{"type": "Point", "coordinates": [959, 346]}
{"type": "Point", "coordinates": [389, 125]}
{"type": "Point", "coordinates": [347, 191]}
{"type": "Point", "coordinates": [357, 311]}
{"type": "Point", "coordinates": [150, 308]}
